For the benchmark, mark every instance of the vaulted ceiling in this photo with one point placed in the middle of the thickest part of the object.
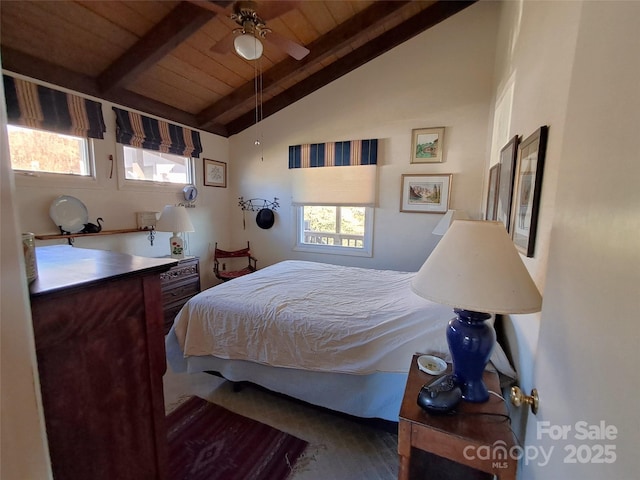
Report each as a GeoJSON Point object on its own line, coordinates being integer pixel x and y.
{"type": "Point", "coordinates": [176, 60]}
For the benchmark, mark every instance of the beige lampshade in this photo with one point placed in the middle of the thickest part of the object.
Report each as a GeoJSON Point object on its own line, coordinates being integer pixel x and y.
{"type": "Point", "coordinates": [446, 221]}
{"type": "Point", "coordinates": [476, 267]}
{"type": "Point", "coordinates": [174, 218]}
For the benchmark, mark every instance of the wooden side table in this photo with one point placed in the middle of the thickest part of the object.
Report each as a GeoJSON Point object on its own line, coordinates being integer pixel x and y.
{"type": "Point", "coordinates": [458, 436]}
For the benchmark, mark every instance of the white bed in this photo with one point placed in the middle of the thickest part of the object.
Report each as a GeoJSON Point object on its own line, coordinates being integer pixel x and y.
{"type": "Point", "coordinates": [334, 336]}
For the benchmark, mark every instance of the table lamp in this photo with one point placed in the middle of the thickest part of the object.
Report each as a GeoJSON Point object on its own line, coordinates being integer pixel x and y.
{"type": "Point", "coordinates": [476, 269]}
{"type": "Point", "coordinates": [174, 218]}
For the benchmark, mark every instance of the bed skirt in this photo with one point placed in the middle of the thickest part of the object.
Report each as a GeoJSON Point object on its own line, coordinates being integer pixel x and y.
{"type": "Point", "coordinates": [376, 395]}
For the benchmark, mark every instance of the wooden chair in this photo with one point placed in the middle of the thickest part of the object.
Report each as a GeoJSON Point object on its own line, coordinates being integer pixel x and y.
{"type": "Point", "coordinates": [220, 270]}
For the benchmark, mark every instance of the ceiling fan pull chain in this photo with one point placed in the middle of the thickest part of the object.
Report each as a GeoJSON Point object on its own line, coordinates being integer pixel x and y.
{"type": "Point", "coordinates": [255, 85]}
{"type": "Point", "coordinates": [260, 130]}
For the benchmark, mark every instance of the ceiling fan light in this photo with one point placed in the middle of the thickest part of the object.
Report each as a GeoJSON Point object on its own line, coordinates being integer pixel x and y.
{"type": "Point", "coordinates": [248, 46]}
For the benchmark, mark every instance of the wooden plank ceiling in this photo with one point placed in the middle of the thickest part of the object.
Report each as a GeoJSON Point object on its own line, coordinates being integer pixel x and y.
{"type": "Point", "coordinates": [175, 59]}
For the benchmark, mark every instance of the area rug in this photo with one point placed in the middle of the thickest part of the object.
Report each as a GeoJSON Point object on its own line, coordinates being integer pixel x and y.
{"type": "Point", "coordinates": [209, 442]}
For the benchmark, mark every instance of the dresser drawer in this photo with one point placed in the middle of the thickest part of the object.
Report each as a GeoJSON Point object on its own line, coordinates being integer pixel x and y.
{"type": "Point", "coordinates": [185, 269]}
{"type": "Point", "coordinates": [179, 290]}
{"type": "Point", "coordinates": [170, 312]}
{"type": "Point", "coordinates": [179, 284]}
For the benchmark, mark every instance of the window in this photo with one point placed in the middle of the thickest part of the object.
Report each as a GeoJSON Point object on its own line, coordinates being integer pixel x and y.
{"type": "Point", "coordinates": [158, 167]}
{"type": "Point", "coordinates": [344, 230]}
{"type": "Point", "coordinates": [40, 151]}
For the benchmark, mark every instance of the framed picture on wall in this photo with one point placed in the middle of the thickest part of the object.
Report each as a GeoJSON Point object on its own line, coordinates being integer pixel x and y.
{"type": "Point", "coordinates": [427, 145]}
{"type": "Point", "coordinates": [492, 194]}
{"type": "Point", "coordinates": [505, 185]}
{"type": "Point", "coordinates": [527, 188]}
{"type": "Point", "coordinates": [425, 193]}
{"type": "Point", "coordinates": [215, 173]}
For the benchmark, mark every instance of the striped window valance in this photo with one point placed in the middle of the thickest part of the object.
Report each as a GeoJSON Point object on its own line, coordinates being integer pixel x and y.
{"type": "Point", "coordinates": [36, 106]}
{"type": "Point", "coordinates": [144, 132]}
{"type": "Point", "coordinates": [334, 154]}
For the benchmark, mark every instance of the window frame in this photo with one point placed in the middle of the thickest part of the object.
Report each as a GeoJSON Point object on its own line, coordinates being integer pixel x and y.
{"type": "Point", "coordinates": [150, 185]}
{"type": "Point", "coordinates": [54, 179]}
{"type": "Point", "coordinates": [365, 251]}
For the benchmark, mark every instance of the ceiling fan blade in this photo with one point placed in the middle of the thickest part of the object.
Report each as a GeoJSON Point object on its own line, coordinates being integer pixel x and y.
{"type": "Point", "coordinates": [224, 45]}
{"type": "Point", "coordinates": [294, 49]}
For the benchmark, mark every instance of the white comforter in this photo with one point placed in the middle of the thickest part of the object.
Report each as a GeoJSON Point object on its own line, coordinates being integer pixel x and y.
{"type": "Point", "coordinates": [314, 316]}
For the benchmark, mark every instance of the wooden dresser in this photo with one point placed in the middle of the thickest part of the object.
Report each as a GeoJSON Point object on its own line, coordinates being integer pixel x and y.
{"type": "Point", "coordinates": [98, 326]}
{"type": "Point", "coordinates": [179, 284]}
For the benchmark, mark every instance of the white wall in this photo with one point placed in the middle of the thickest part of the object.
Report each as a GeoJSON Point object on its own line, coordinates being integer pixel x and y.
{"type": "Point", "coordinates": [534, 55]}
{"type": "Point", "coordinates": [442, 77]}
{"type": "Point", "coordinates": [118, 206]}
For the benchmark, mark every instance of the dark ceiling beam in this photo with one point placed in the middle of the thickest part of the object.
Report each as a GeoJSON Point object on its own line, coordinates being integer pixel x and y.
{"type": "Point", "coordinates": [320, 49]}
{"type": "Point", "coordinates": [415, 25]}
{"type": "Point", "coordinates": [179, 24]}
{"type": "Point", "coordinates": [29, 66]}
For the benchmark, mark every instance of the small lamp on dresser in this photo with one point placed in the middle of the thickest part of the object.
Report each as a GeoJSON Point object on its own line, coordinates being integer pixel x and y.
{"type": "Point", "coordinates": [174, 218]}
{"type": "Point", "coordinates": [477, 270]}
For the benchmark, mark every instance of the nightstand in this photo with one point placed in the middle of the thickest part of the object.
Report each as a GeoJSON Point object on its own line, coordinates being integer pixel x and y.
{"type": "Point", "coordinates": [179, 284]}
{"type": "Point", "coordinates": [457, 436]}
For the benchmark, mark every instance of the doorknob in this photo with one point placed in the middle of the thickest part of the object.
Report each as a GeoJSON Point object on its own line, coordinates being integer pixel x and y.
{"type": "Point", "coordinates": [518, 397]}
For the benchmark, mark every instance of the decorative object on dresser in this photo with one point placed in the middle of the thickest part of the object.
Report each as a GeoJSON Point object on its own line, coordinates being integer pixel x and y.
{"type": "Point", "coordinates": [174, 218]}
{"type": "Point", "coordinates": [97, 322]}
{"type": "Point", "coordinates": [476, 269]}
{"type": "Point", "coordinates": [179, 284]}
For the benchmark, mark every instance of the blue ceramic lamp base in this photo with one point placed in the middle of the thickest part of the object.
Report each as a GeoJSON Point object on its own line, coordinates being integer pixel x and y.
{"type": "Point", "coordinates": [471, 341]}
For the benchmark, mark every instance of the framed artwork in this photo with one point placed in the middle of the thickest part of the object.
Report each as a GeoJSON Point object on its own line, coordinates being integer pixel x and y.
{"type": "Point", "coordinates": [505, 185]}
{"type": "Point", "coordinates": [427, 145]}
{"type": "Point", "coordinates": [492, 194]}
{"type": "Point", "coordinates": [215, 173]}
{"type": "Point", "coordinates": [527, 188]}
{"type": "Point", "coordinates": [425, 193]}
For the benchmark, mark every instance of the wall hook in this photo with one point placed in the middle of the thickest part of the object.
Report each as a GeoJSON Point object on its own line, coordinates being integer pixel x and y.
{"type": "Point", "coordinates": [256, 204]}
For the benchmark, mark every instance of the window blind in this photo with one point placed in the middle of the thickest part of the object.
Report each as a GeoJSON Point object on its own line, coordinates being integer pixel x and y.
{"type": "Point", "coordinates": [145, 132]}
{"type": "Point", "coordinates": [348, 174]}
{"type": "Point", "coordinates": [354, 185]}
{"type": "Point", "coordinates": [36, 106]}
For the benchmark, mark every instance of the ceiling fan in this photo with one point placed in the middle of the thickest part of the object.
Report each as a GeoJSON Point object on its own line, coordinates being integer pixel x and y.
{"type": "Point", "coordinates": [252, 29]}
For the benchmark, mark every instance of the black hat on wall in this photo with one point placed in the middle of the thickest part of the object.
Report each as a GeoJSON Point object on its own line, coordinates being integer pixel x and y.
{"type": "Point", "coordinates": [265, 218]}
